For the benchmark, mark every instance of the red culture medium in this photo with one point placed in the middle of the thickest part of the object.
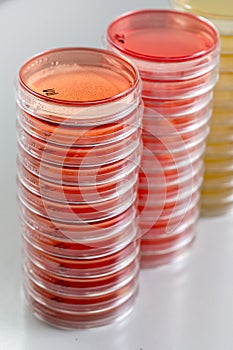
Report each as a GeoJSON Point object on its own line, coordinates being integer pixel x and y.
{"type": "Point", "coordinates": [177, 55]}
{"type": "Point", "coordinates": [79, 149]}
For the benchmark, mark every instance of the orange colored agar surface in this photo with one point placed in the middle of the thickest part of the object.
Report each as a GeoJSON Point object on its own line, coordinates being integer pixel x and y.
{"type": "Point", "coordinates": [78, 83]}
{"type": "Point", "coordinates": [159, 42]}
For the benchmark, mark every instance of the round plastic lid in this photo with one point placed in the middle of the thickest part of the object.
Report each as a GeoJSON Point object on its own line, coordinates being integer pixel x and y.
{"type": "Point", "coordinates": [78, 76]}
{"type": "Point", "coordinates": [162, 35]}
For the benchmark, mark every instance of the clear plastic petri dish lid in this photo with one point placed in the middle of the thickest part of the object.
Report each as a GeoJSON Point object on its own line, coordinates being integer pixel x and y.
{"type": "Point", "coordinates": [156, 181]}
{"type": "Point", "coordinates": [173, 176]}
{"type": "Point", "coordinates": [80, 135]}
{"type": "Point", "coordinates": [155, 255]}
{"type": "Point", "coordinates": [177, 107]}
{"type": "Point", "coordinates": [84, 176]}
{"type": "Point", "coordinates": [68, 248]}
{"type": "Point", "coordinates": [157, 232]}
{"type": "Point", "coordinates": [84, 237]}
{"type": "Point", "coordinates": [78, 156]}
{"type": "Point", "coordinates": [115, 86]}
{"type": "Point", "coordinates": [97, 315]}
{"type": "Point", "coordinates": [82, 305]}
{"type": "Point", "coordinates": [179, 122]}
{"type": "Point", "coordinates": [176, 124]}
{"type": "Point", "coordinates": [82, 316]}
{"type": "Point", "coordinates": [168, 244]}
{"type": "Point", "coordinates": [168, 216]}
{"type": "Point", "coordinates": [170, 162]}
{"type": "Point", "coordinates": [158, 251]}
{"type": "Point", "coordinates": [170, 179]}
{"type": "Point", "coordinates": [81, 267]}
{"type": "Point", "coordinates": [76, 193]}
{"type": "Point", "coordinates": [79, 289]}
{"type": "Point", "coordinates": [163, 157]}
{"type": "Point", "coordinates": [76, 268]}
{"type": "Point", "coordinates": [162, 149]}
{"type": "Point", "coordinates": [154, 200]}
{"type": "Point", "coordinates": [174, 143]}
{"type": "Point", "coordinates": [168, 225]}
{"type": "Point", "coordinates": [75, 213]}
{"type": "Point", "coordinates": [169, 208]}
{"type": "Point", "coordinates": [167, 199]}
{"type": "Point", "coordinates": [170, 90]}
{"type": "Point", "coordinates": [78, 311]}
{"type": "Point", "coordinates": [148, 36]}
{"type": "Point", "coordinates": [157, 126]}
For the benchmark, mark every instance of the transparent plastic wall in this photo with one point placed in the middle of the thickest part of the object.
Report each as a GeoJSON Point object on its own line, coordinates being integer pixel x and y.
{"type": "Point", "coordinates": [177, 55]}
{"type": "Point", "coordinates": [217, 192]}
{"type": "Point", "coordinates": [79, 150]}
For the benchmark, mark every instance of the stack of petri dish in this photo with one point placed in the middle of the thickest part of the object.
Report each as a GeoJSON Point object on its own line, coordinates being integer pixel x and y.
{"type": "Point", "coordinates": [217, 193]}
{"type": "Point", "coordinates": [79, 150]}
{"type": "Point", "coordinates": [177, 55]}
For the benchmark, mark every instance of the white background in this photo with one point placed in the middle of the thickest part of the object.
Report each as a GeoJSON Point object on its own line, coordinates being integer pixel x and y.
{"type": "Point", "coordinates": [188, 306]}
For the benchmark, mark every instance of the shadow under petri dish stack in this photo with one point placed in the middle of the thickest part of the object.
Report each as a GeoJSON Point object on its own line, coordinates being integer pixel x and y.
{"type": "Point", "coordinates": [79, 150]}
{"type": "Point", "coordinates": [217, 193]}
{"type": "Point", "coordinates": [177, 55]}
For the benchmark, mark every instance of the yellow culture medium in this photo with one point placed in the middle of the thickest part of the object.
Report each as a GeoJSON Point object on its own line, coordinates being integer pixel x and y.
{"type": "Point", "coordinates": [207, 8]}
{"type": "Point", "coordinates": [217, 191]}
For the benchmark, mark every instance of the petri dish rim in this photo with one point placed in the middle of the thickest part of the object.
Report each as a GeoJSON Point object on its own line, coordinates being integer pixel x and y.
{"type": "Point", "coordinates": [125, 62]}
{"type": "Point", "coordinates": [133, 54]}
